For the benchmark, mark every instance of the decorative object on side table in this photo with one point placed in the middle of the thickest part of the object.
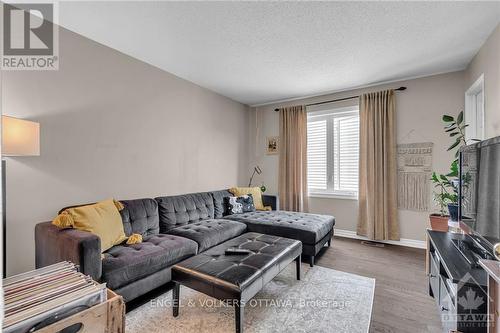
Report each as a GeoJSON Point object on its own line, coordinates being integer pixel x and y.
{"type": "Point", "coordinates": [19, 138]}
{"type": "Point", "coordinates": [272, 145]}
{"type": "Point", "coordinates": [446, 193]}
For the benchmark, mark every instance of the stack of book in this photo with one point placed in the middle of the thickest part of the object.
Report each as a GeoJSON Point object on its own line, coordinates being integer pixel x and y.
{"type": "Point", "coordinates": [38, 298]}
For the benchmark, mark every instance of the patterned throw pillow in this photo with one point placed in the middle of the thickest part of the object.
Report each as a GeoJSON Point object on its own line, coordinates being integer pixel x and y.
{"type": "Point", "coordinates": [254, 191]}
{"type": "Point", "coordinates": [238, 205]}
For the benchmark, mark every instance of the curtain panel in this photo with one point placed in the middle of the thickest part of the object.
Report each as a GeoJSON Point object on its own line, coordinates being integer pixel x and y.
{"type": "Point", "coordinates": [292, 179]}
{"type": "Point", "coordinates": [377, 216]}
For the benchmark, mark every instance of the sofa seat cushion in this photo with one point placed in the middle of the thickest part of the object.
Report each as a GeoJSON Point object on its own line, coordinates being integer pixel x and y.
{"type": "Point", "coordinates": [308, 228]}
{"type": "Point", "coordinates": [124, 264]}
{"type": "Point", "coordinates": [208, 233]}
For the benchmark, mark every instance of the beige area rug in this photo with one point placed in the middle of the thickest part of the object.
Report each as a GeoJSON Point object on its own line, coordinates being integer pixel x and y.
{"type": "Point", "coordinates": [325, 300]}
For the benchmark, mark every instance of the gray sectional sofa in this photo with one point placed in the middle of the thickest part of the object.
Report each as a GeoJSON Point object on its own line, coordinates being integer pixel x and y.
{"type": "Point", "coordinates": [174, 228]}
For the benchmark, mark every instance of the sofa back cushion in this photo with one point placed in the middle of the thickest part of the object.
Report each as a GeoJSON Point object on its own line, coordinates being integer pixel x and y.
{"type": "Point", "coordinates": [184, 209]}
{"type": "Point", "coordinates": [219, 206]}
{"type": "Point", "coordinates": [140, 216]}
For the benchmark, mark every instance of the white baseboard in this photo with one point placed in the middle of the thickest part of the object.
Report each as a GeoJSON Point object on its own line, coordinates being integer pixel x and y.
{"type": "Point", "coordinates": [420, 244]}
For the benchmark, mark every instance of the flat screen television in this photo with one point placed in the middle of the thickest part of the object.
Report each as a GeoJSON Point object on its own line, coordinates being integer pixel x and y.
{"type": "Point", "coordinates": [479, 191]}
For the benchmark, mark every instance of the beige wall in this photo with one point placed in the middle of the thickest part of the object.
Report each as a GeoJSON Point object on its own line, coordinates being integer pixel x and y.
{"type": "Point", "coordinates": [112, 126]}
{"type": "Point", "coordinates": [419, 112]}
{"type": "Point", "coordinates": [487, 61]}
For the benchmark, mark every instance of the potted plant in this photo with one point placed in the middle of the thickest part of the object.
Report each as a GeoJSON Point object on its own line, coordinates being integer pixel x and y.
{"type": "Point", "coordinates": [446, 196]}
{"type": "Point", "coordinates": [446, 186]}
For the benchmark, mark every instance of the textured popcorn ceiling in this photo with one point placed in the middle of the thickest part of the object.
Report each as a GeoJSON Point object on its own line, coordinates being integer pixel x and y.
{"type": "Point", "coordinates": [257, 52]}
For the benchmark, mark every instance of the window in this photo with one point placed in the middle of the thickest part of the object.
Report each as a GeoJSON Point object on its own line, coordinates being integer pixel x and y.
{"type": "Point", "coordinates": [333, 152]}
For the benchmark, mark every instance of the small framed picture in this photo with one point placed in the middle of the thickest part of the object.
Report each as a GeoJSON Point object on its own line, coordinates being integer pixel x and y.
{"type": "Point", "coordinates": [272, 145]}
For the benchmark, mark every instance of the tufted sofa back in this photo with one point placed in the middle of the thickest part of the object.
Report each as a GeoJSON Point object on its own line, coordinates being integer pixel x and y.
{"type": "Point", "coordinates": [140, 216]}
{"type": "Point", "coordinates": [218, 197]}
{"type": "Point", "coordinates": [152, 216]}
{"type": "Point", "coordinates": [184, 209]}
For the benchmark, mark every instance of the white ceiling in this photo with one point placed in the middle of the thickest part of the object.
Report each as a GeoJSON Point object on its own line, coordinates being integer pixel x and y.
{"type": "Point", "coordinates": [258, 52]}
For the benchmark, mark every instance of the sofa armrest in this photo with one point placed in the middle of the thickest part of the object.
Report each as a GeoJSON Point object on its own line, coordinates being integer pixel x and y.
{"type": "Point", "coordinates": [53, 245]}
{"type": "Point", "coordinates": [271, 200]}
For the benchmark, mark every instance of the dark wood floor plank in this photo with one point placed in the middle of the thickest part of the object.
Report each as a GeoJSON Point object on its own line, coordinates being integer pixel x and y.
{"type": "Point", "coordinates": [401, 303]}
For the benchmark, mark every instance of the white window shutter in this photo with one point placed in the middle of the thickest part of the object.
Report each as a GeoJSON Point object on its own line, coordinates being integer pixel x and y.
{"type": "Point", "coordinates": [333, 153]}
{"type": "Point", "coordinates": [348, 148]}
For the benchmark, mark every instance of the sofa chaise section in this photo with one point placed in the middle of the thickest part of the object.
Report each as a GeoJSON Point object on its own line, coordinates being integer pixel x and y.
{"type": "Point", "coordinates": [313, 230]}
{"type": "Point", "coordinates": [308, 228]}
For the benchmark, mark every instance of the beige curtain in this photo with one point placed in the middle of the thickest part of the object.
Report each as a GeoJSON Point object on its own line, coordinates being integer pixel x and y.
{"type": "Point", "coordinates": [292, 181]}
{"type": "Point", "coordinates": [377, 218]}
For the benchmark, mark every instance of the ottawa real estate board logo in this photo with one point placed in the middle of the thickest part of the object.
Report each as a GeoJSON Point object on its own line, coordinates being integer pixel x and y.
{"type": "Point", "coordinates": [30, 38]}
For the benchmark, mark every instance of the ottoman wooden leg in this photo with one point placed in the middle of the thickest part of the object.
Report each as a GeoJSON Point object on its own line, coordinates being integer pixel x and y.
{"type": "Point", "coordinates": [297, 263]}
{"type": "Point", "coordinates": [238, 317]}
{"type": "Point", "coordinates": [311, 261]}
{"type": "Point", "coordinates": [175, 298]}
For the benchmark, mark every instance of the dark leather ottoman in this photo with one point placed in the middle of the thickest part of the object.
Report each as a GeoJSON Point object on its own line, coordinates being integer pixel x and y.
{"type": "Point", "coordinates": [236, 277]}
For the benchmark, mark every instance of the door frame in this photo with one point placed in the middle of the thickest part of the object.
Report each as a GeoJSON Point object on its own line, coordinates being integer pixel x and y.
{"type": "Point", "coordinates": [471, 115]}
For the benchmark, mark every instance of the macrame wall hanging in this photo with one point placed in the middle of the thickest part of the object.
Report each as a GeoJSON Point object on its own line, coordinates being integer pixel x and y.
{"type": "Point", "coordinates": [414, 173]}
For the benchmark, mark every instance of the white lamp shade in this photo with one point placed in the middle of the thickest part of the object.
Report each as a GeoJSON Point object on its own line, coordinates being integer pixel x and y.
{"type": "Point", "coordinates": [20, 137]}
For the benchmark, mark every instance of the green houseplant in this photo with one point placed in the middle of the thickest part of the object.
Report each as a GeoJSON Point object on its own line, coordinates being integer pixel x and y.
{"type": "Point", "coordinates": [446, 185]}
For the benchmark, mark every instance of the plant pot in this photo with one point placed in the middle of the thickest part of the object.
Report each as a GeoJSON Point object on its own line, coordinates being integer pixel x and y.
{"type": "Point", "coordinates": [439, 222]}
{"type": "Point", "coordinates": [453, 210]}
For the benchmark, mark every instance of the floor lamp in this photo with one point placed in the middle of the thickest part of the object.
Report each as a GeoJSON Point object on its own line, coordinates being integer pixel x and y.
{"type": "Point", "coordinates": [19, 138]}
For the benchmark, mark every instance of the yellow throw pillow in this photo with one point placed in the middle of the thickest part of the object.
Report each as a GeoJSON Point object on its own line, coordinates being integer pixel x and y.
{"type": "Point", "coordinates": [254, 191]}
{"type": "Point", "coordinates": [102, 219]}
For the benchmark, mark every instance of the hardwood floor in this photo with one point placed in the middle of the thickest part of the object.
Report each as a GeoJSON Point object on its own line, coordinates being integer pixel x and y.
{"type": "Point", "coordinates": [401, 302]}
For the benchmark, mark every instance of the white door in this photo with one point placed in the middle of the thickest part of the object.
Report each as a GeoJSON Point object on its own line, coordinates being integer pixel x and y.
{"type": "Point", "coordinates": [474, 111]}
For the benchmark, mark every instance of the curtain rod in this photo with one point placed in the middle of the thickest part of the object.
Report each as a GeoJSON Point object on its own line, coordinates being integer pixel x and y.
{"type": "Point", "coordinates": [342, 99]}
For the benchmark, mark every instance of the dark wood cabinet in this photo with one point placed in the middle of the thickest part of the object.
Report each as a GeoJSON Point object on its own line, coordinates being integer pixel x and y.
{"type": "Point", "coordinates": [459, 288]}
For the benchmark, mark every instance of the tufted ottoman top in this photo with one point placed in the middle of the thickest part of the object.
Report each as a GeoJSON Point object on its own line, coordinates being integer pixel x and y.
{"type": "Point", "coordinates": [221, 275]}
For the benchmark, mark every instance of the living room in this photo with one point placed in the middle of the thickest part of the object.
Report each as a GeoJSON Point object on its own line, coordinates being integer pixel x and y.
{"type": "Point", "coordinates": [183, 154]}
